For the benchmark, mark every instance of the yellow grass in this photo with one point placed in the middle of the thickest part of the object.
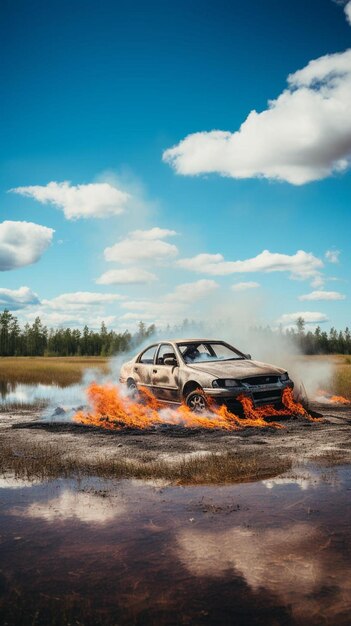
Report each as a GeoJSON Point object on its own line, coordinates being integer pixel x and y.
{"type": "Point", "coordinates": [63, 371]}
{"type": "Point", "coordinates": [340, 382]}
{"type": "Point", "coordinates": [66, 371]}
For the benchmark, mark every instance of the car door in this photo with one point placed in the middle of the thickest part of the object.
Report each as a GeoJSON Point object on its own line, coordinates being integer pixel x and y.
{"type": "Point", "coordinates": [142, 369]}
{"type": "Point", "coordinates": [165, 378]}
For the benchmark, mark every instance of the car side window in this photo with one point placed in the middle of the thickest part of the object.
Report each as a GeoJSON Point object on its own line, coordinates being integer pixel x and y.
{"type": "Point", "coordinates": [147, 357]}
{"type": "Point", "coordinates": [165, 352]}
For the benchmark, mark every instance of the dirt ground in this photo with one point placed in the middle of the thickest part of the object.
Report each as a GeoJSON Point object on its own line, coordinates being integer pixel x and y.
{"type": "Point", "coordinates": [328, 441]}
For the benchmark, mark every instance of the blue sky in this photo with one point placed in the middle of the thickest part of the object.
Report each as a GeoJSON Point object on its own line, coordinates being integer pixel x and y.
{"type": "Point", "coordinates": [127, 98]}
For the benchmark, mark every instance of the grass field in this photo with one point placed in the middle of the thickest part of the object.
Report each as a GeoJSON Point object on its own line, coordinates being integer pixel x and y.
{"type": "Point", "coordinates": [340, 380]}
{"type": "Point", "coordinates": [66, 371]}
{"type": "Point", "coordinates": [63, 371]}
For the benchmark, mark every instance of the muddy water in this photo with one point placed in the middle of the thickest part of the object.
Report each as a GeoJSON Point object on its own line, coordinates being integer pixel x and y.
{"type": "Point", "coordinates": [103, 552]}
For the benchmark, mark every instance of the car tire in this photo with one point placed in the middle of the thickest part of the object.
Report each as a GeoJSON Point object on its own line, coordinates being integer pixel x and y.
{"type": "Point", "coordinates": [196, 401]}
{"type": "Point", "coordinates": [132, 390]}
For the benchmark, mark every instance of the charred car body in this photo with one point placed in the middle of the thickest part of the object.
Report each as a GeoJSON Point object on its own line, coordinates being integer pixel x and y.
{"type": "Point", "coordinates": [192, 370]}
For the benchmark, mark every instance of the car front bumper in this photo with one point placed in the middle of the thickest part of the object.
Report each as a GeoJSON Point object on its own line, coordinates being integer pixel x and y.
{"type": "Point", "coordinates": [259, 394]}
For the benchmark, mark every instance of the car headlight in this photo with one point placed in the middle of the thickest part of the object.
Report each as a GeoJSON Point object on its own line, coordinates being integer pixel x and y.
{"type": "Point", "coordinates": [284, 377]}
{"type": "Point", "coordinates": [224, 382]}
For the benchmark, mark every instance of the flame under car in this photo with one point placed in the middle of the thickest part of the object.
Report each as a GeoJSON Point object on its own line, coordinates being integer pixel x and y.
{"type": "Point", "coordinates": [200, 371]}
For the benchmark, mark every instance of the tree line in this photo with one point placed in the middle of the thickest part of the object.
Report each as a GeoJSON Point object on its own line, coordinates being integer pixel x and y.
{"type": "Point", "coordinates": [37, 340]}
{"type": "Point", "coordinates": [317, 341]}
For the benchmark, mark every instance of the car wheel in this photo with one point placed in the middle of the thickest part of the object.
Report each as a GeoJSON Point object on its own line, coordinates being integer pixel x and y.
{"type": "Point", "coordinates": [132, 389]}
{"type": "Point", "coordinates": [196, 401]}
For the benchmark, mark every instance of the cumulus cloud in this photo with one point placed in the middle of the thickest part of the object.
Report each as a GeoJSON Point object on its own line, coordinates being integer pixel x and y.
{"type": "Point", "coordinates": [22, 243]}
{"type": "Point", "coordinates": [75, 318]}
{"type": "Point", "coordinates": [77, 201]}
{"type": "Point", "coordinates": [303, 135]}
{"type": "Point", "coordinates": [301, 265]}
{"type": "Point", "coordinates": [75, 309]}
{"type": "Point", "coordinates": [347, 10]}
{"type": "Point", "coordinates": [310, 317]}
{"type": "Point", "coordinates": [130, 276]}
{"type": "Point", "coordinates": [152, 233]}
{"type": "Point", "coordinates": [80, 300]}
{"type": "Point", "coordinates": [332, 256]}
{"type": "Point", "coordinates": [187, 292]}
{"type": "Point", "coordinates": [142, 245]}
{"type": "Point", "coordinates": [173, 305]}
{"type": "Point", "coordinates": [15, 299]}
{"type": "Point", "coordinates": [245, 286]}
{"type": "Point", "coordinates": [323, 295]}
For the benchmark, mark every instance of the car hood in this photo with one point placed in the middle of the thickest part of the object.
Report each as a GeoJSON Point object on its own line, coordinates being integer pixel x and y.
{"type": "Point", "coordinates": [236, 369]}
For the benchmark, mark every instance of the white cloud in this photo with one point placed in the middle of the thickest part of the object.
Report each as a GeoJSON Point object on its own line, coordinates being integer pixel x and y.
{"type": "Point", "coordinates": [347, 9]}
{"type": "Point", "coordinates": [75, 309]}
{"type": "Point", "coordinates": [172, 306]}
{"type": "Point", "coordinates": [323, 295]}
{"type": "Point", "coordinates": [74, 318]}
{"type": "Point", "coordinates": [77, 201]}
{"type": "Point", "coordinates": [317, 281]}
{"type": "Point", "coordinates": [136, 316]}
{"type": "Point", "coordinates": [15, 299]}
{"type": "Point", "coordinates": [80, 300]}
{"type": "Point", "coordinates": [301, 265]}
{"type": "Point", "coordinates": [332, 256]}
{"type": "Point", "coordinates": [303, 135]}
{"type": "Point", "coordinates": [130, 276]}
{"type": "Point", "coordinates": [22, 243]}
{"type": "Point", "coordinates": [189, 292]}
{"type": "Point", "coordinates": [245, 286]}
{"type": "Point", "coordinates": [152, 233]}
{"type": "Point", "coordinates": [310, 317]}
{"type": "Point", "coordinates": [142, 245]}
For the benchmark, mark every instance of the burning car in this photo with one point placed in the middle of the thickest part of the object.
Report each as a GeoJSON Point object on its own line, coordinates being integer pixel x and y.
{"type": "Point", "coordinates": [196, 371]}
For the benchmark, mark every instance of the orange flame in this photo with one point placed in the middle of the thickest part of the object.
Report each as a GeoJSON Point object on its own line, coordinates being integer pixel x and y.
{"type": "Point", "coordinates": [325, 396]}
{"type": "Point", "coordinates": [112, 410]}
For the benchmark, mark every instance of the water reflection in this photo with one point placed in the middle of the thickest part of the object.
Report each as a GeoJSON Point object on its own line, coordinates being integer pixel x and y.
{"type": "Point", "coordinates": [80, 505]}
{"type": "Point", "coordinates": [52, 395]}
{"type": "Point", "coordinates": [123, 552]}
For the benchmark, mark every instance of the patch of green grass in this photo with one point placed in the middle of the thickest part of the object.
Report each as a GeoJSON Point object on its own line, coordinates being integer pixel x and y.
{"type": "Point", "coordinates": [62, 371]}
{"type": "Point", "coordinates": [33, 461]}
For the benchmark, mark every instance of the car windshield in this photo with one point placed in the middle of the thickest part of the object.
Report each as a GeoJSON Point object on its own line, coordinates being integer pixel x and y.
{"type": "Point", "coordinates": [199, 351]}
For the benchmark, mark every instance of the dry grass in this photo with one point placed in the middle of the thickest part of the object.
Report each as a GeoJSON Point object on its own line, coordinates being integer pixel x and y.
{"type": "Point", "coordinates": [33, 461]}
{"type": "Point", "coordinates": [341, 383]}
{"type": "Point", "coordinates": [62, 371]}
{"type": "Point", "coordinates": [23, 407]}
{"type": "Point", "coordinates": [332, 458]}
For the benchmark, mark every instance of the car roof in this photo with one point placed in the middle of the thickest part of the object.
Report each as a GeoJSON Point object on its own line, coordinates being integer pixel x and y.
{"type": "Point", "coordinates": [192, 340]}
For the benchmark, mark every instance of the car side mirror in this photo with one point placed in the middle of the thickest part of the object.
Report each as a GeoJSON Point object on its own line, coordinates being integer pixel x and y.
{"type": "Point", "coordinates": [170, 361]}
{"type": "Point", "coordinates": [248, 356]}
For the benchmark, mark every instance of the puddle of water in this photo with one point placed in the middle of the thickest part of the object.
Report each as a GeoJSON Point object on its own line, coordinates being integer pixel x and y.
{"type": "Point", "coordinates": [109, 552]}
{"type": "Point", "coordinates": [39, 394]}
